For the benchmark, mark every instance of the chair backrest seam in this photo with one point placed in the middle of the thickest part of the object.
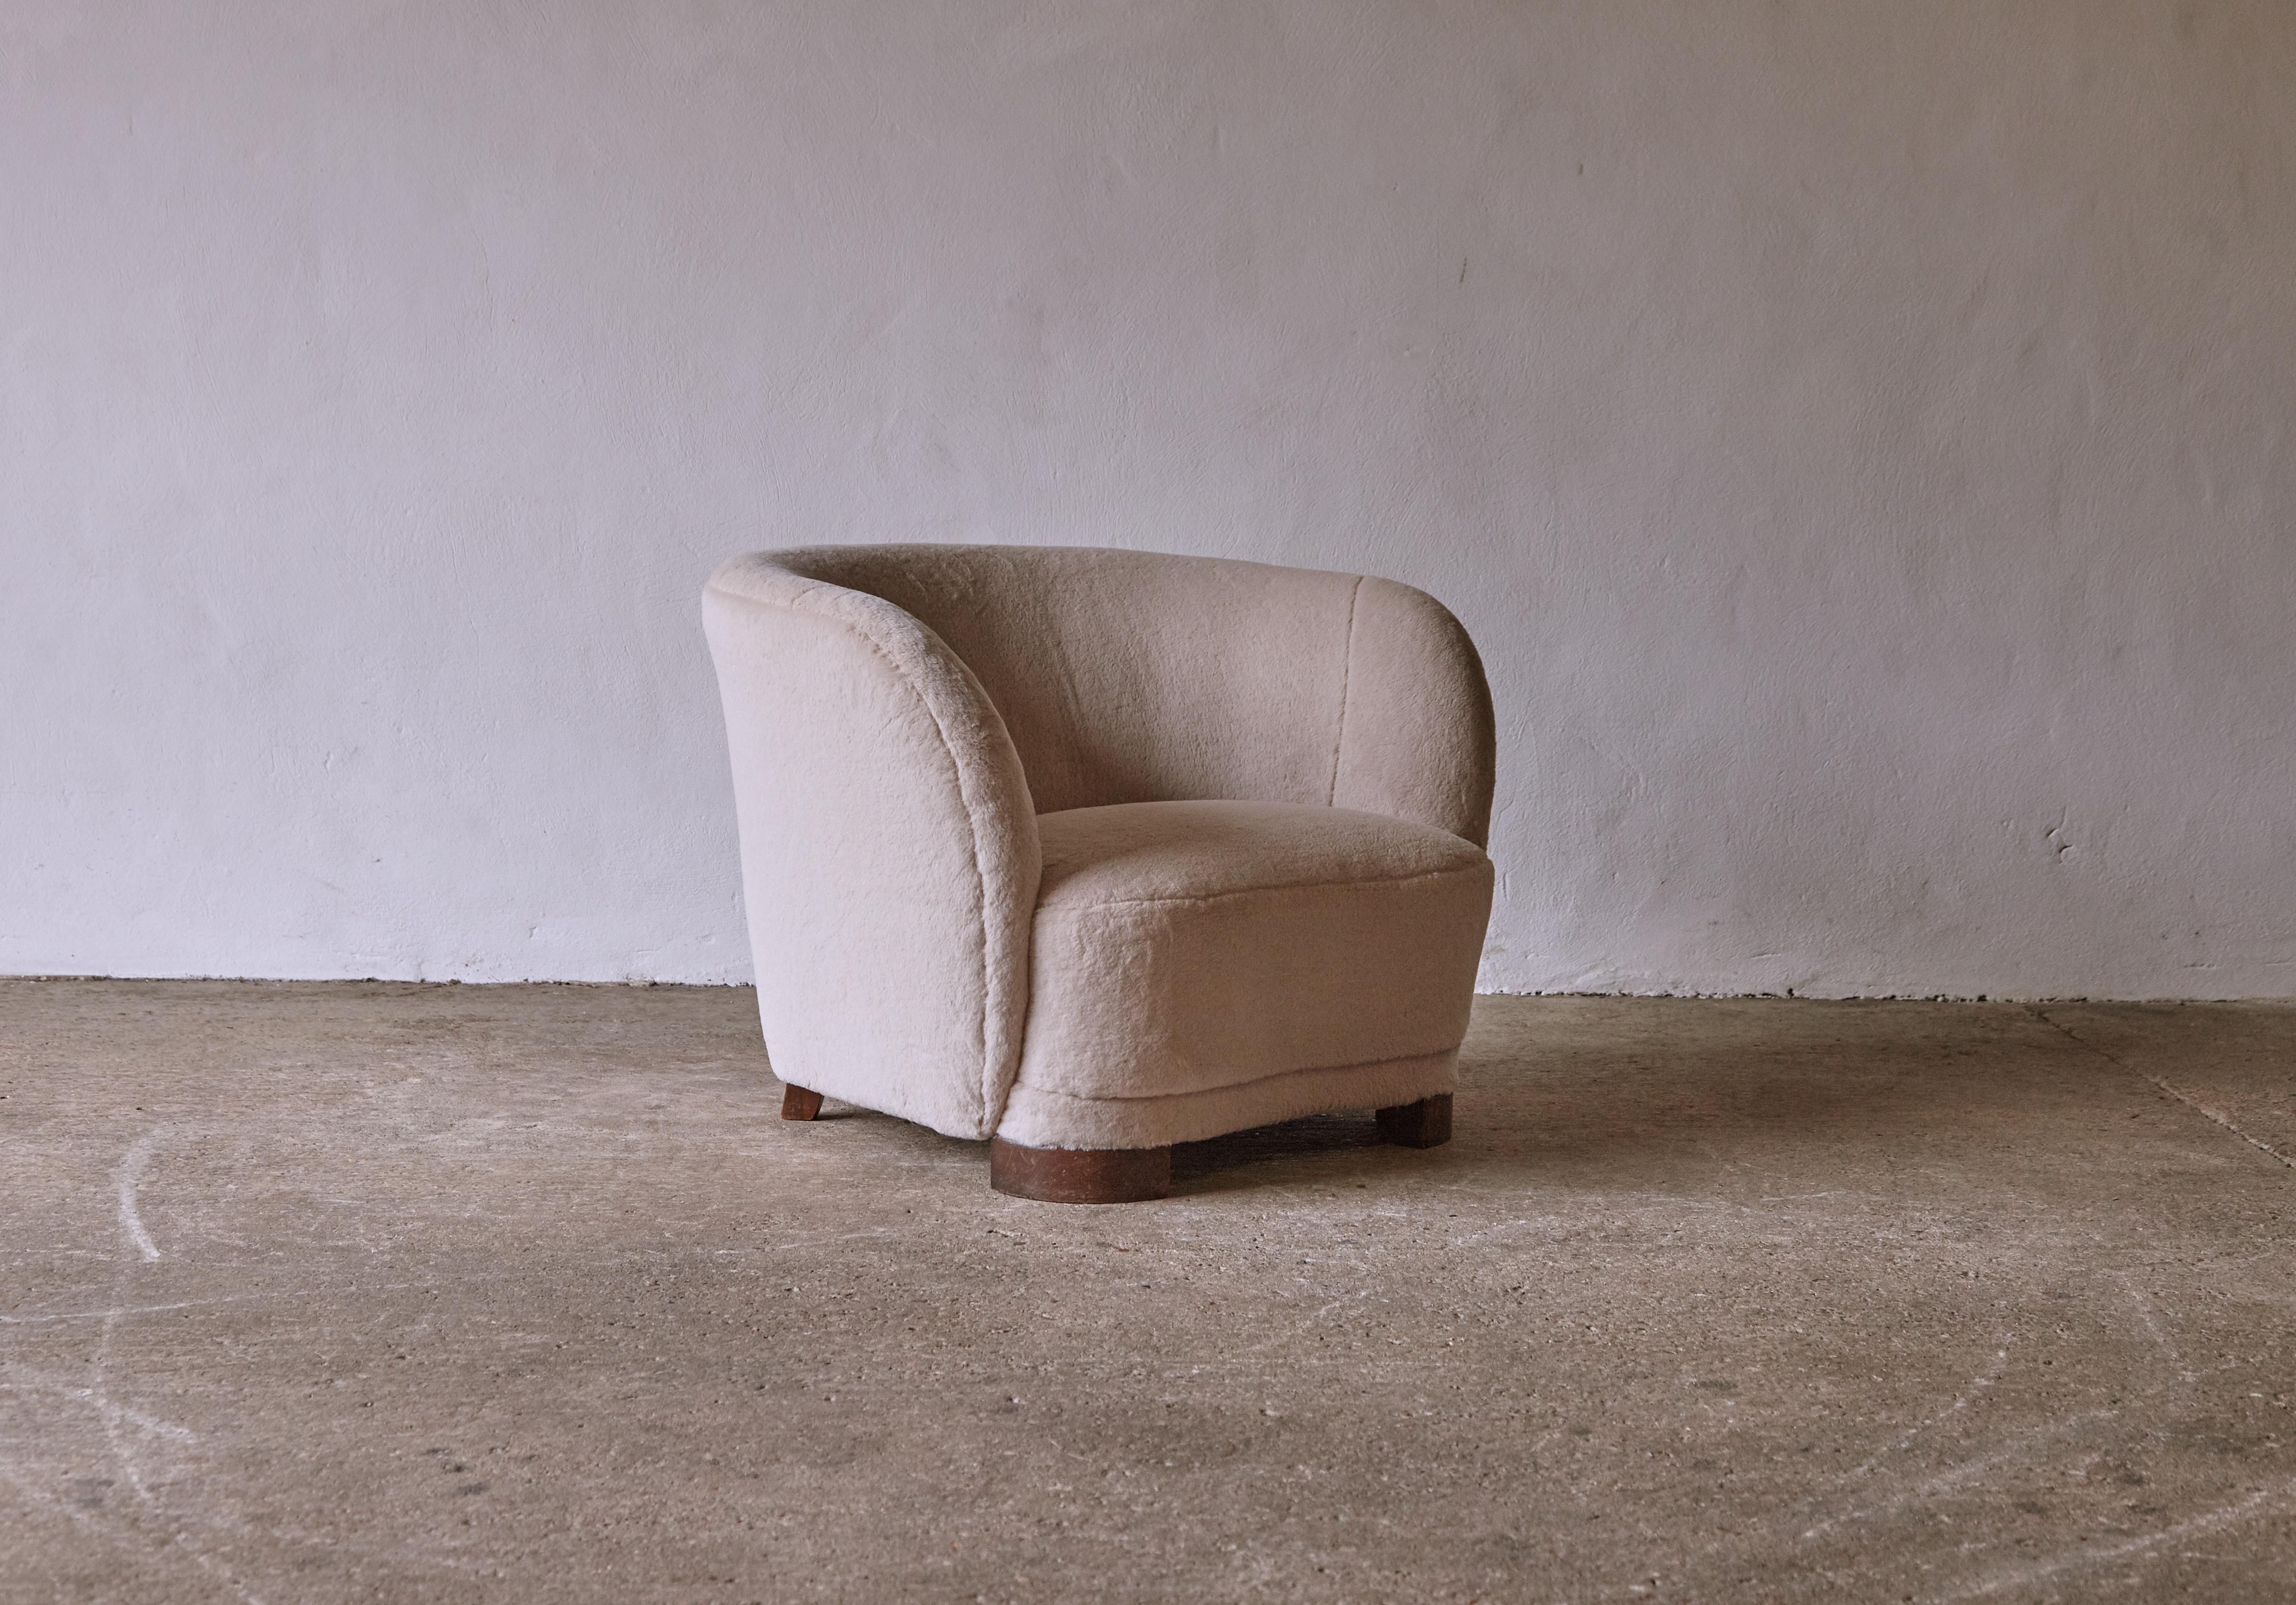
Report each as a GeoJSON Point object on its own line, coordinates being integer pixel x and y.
{"type": "Point", "coordinates": [1347, 678]}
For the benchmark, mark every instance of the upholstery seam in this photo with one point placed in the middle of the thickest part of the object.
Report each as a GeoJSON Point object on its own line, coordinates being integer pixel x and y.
{"type": "Point", "coordinates": [1311, 1069]}
{"type": "Point", "coordinates": [1254, 891]}
{"type": "Point", "coordinates": [1347, 681]}
{"type": "Point", "coordinates": [948, 751]}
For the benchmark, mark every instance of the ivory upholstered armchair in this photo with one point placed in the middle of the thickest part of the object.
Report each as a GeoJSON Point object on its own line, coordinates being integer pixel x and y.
{"type": "Point", "coordinates": [1093, 852]}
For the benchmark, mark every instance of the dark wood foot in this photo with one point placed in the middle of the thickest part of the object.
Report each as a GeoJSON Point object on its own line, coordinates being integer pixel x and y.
{"type": "Point", "coordinates": [798, 1104]}
{"type": "Point", "coordinates": [1079, 1176]}
{"type": "Point", "coordinates": [1426, 1124]}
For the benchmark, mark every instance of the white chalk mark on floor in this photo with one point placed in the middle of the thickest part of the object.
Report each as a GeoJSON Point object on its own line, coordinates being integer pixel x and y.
{"type": "Point", "coordinates": [2143, 1302]}
{"type": "Point", "coordinates": [1976, 1386]}
{"type": "Point", "coordinates": [145, 1309]}
{"type": "Point", "coordinates": [126, 1456]}
{"type": "Point", "coordinates": [115, 1312]}
{"type": "Point", "coordinates": [128, 1178]}
{"type": "Point", "coordinates": [105, 1406]}
{"type": "Point", "coordinates": [117, 1420]}
{"type": "Point", "coordinates": [2215, 1521]}
{"type": "Point", "coordinates": [1955, 1477]}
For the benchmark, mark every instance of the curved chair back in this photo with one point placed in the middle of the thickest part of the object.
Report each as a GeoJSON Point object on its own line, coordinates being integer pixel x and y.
{"type": "Point", "coordinates": [1140, 677]}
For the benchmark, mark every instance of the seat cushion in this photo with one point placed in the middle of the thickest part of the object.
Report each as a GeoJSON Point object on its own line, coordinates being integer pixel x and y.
{"type": "Point", "coordinates": [1185, 946]}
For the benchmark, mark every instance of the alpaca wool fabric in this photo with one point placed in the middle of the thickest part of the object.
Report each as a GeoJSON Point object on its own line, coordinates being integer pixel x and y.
{"type": "Point", "coordinates": [1091, 849]}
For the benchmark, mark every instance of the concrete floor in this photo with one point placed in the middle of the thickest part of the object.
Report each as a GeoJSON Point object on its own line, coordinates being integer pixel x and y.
{"type": "Point", "coordinates": [395, 1293]}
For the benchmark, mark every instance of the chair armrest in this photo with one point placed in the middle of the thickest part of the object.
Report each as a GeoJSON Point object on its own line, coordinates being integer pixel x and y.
{"type": "Point", "coordinates": [1417, 735]}
{"type": "Point", "coordinates": [889, 858]}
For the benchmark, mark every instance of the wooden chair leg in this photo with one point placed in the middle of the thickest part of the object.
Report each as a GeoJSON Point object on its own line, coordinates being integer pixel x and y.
{"type": "Point", "coordinates": [1079, 1176]}
{"type": "Point", "coordinates": [798, 1103]}
{"type": "Point", "coordinates": [1426, 1124]}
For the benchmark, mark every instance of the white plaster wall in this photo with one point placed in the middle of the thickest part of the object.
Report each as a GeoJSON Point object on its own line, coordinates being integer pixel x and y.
{"type": "Point", "coordinates": [1858, 432]}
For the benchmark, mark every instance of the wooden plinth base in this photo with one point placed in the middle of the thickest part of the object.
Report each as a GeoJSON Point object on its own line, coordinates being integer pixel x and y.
{"type": "Point", "coordinates": [1426, 1124]}
{"type": "Point", "coordinates": [1079, 1176]}
{"type": "Point", "coordinates": [799, 1104]}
